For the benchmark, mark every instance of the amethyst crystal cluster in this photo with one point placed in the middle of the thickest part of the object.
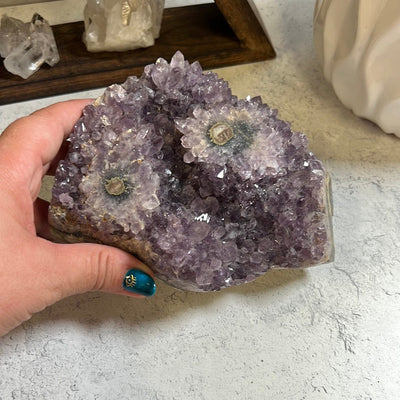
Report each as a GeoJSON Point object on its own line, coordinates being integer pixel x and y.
{"type": "Point", "coordinates": [209, 190]}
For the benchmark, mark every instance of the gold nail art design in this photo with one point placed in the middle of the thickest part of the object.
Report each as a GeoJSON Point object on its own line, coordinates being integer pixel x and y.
{"type": "Point", "coordinates": [130, 280]}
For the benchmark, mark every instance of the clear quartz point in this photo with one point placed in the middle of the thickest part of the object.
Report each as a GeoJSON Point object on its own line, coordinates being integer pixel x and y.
{"type": "Point", "coordinates": [26, 46]}
{"type": "Point", "coordinates": [120, 25]}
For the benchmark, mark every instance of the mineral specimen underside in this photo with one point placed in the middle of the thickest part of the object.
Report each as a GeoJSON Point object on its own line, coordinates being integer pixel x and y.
{"type": "Point", "coordinates": [209, 190]}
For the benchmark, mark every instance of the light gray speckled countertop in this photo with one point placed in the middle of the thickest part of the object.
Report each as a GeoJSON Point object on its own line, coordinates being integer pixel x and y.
{"type": "Point", "coordinates": [329, 332]}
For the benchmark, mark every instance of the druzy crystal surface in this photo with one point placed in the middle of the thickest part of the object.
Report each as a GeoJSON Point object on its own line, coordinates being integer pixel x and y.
{"type": "Point", "coordinates": [120, 25]}
{"type": "Point", "coordinates": [26, 46]}
{"type": "Point", "coordinates": [209, 190]}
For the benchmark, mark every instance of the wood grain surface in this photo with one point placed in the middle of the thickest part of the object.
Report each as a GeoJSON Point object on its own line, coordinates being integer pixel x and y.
{"type": "Point", "coordinates": [216, 34]}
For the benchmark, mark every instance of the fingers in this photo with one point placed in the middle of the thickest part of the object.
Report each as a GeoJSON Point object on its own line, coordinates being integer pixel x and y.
{"type": "Point", "coordinates": [43, 273]}
{"type": "Point", "coordinates": [44, 131]}
{"type": "Point", "coordinates": [87, 267]}
{"type": "Point", "coordinates": [92, 267]}
{"type": "Point", "coordinates": [78, 268]}
{"type": "Point", "coordinates": [29, 145]}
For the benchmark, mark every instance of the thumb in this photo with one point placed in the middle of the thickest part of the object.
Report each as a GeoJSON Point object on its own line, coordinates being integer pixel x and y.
{"type": "Point", "coordinates": [83, 267]}
{"type": "Point", "coordinates": [44, 273]}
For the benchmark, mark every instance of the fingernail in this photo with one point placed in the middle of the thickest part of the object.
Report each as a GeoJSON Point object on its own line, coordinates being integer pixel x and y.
{"type": "Point", "coordinates": [137, 281]}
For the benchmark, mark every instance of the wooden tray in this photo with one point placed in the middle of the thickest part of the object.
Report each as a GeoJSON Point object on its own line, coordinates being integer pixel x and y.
{"type": "Point", "coordinates": [217, 34]}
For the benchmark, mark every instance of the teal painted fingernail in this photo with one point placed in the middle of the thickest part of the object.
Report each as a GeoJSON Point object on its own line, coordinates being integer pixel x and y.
{"type": "Point", "coordinates": [137, 281]}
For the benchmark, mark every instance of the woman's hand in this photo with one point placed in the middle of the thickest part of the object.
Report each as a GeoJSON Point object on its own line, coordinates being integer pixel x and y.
{"type": "Point", "coordinates": [34, 272]}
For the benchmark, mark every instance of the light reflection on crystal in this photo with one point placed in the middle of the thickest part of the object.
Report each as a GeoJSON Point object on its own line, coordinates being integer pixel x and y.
{"type": "Point", "coordinates": [203, 217]}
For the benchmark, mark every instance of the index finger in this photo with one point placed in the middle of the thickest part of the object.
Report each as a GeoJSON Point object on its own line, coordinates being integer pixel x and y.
{"type": "Point", "coordinates": [28, 145]}
{"type": "Point", "coordinates": [39, 136]}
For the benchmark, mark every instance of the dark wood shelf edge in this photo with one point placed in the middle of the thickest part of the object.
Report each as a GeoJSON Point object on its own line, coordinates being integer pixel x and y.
{"type": "Point", "coordinates": [211, 41]}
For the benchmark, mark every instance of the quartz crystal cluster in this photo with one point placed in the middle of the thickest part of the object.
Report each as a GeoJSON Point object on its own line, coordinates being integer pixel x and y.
{"type": "Point", "coordinates": [120, 25]}
{"type": "Point", "coordinates": [26, 46]}
{"type": "Point", "coordinates": [209, 190]}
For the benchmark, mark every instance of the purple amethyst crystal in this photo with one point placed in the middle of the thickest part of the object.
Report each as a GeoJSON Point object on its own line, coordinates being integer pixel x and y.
{"type": "Point", "coordinates": [208, 190]}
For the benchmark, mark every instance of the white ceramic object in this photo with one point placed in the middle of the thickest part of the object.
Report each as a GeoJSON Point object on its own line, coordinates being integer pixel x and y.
{"type": "Point", "coordinates": [358, 44]}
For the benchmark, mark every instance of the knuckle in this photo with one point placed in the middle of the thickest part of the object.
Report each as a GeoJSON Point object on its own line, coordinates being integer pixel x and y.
{"type": "Point", "coordinates": [100, 269]}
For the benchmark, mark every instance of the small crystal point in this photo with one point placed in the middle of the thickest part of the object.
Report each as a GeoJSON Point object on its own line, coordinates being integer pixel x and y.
{"type": "Point", "coordinates": [208, 190]}
{"type": "Point", "coordinates": [26, 46]}
{"type": "Point", "coordinates": [12, 33]}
